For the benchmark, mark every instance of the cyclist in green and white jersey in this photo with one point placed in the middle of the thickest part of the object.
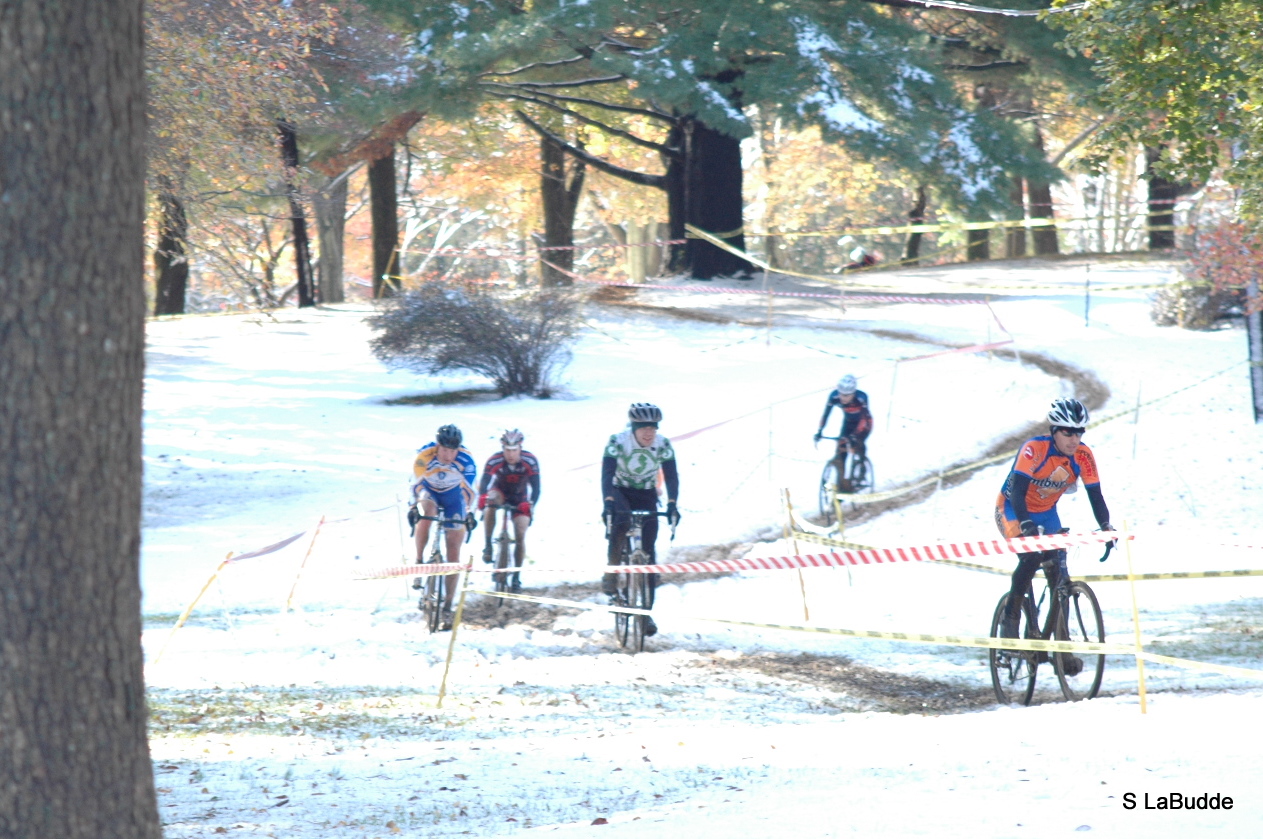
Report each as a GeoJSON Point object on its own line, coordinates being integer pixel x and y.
{"type": "Point", "coordinates": [629, 481]}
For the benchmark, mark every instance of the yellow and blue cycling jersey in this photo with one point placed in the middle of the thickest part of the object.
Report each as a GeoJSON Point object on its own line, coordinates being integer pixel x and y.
{"type": "Point", "coordinates": [450, 485]}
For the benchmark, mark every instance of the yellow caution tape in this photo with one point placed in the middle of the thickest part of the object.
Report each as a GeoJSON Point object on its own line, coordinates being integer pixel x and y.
{"type": "Point", "coordinates": [976, 642]}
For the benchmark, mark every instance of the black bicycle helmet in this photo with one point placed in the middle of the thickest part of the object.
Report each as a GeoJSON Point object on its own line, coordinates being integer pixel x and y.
{"type": "Point", "coordinates": [644, 412]}
{"type": "Point", "coordinates": [448, 436]}
{"type": "Point", "coordinates": [1068, 413]}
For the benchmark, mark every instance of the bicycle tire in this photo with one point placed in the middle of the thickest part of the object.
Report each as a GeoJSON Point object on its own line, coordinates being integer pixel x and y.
{"type": "Point", "coordinates": [828, 489]}
{"type": "Point", "coordinates": [638, 598]}
{"type": "Point", "coordinates": [622, 620]}
{"type": "Point", "coordinates": [1079, 619]}
{"type": "Point", "coordinates": [1013, 671]}
{"type": "Point", "coordinates": [433, 597]}
{"type": "Point", "coordinates": [502, 561]}
{"type": "Point", "coordinates": [862, 480]}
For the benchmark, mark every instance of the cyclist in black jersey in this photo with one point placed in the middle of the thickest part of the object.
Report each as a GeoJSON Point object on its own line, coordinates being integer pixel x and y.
{"type": "Point", "coordinates": [629, 476]}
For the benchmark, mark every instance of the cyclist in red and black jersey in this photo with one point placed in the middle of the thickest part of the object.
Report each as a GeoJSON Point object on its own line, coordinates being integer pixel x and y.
{"type": "Point", "coordinates": [857, 422]}
{"type": "Point", "coordinates": [511, 476]}
{"type": "Point", "coordinates": [1045, 468]}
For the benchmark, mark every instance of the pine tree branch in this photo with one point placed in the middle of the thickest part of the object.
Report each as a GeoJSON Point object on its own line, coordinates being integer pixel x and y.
{"type": "Point", "coordinates": [608, 129]}
{"type": "Point", "coordinates": [577, 83]}
{"type": "Point", "coordinates": [534, 65]}
{"type": "Point", "coordinates": [642, 178]}
{"type": "Point", "coordinates": [596, 103]}
{"type": "Point", "coordinates": [990, 65]}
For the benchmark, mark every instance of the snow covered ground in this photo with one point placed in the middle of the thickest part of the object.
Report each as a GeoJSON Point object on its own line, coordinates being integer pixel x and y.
{"type": "Point", "coordinates": [321, 719]}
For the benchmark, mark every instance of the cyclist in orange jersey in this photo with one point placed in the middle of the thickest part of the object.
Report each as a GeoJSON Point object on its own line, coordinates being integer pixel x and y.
{"type": "Point", "coordinates": [1046, 467]}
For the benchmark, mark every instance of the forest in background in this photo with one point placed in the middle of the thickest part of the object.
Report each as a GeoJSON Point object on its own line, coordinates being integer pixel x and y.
{"type": "Point", "coordinates": [309, 152]}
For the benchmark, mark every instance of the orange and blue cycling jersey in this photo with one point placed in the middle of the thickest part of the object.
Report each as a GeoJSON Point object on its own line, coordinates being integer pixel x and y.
{"type": "Point", "coordinates": [1051, 474]}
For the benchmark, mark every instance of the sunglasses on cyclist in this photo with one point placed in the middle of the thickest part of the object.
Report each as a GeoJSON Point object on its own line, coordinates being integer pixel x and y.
{"type": "Point", "coordinates": [1071, 432]}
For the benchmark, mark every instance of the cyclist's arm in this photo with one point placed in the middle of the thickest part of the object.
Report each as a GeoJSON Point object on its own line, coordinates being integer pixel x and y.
{"type": "Point", "coordinates": [828, 409]}
{"type": "Point", "coordinates": [1099, 509]}
{"type": "Point", "coordinates": [1019, 483]}
{"type": "Point", "coordinates": [608, 467]}
{"type": "Point", "coordinates": [488, 472]}
{"type": "Point", "coordinates": [672, 477]}
{"type": "Point", "coordinates": [533, 480]}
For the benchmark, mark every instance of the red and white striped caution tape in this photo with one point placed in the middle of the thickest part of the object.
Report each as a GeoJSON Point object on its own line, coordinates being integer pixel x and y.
{"type": "Point", "coordinates": [429, 569]}
{"type": "Point", "coordinates": [838, 558]}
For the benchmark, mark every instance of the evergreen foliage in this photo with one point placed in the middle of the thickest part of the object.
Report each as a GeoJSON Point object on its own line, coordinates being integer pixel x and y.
{"type": "Point", "coordinates": [1179, 75]}
{"type": "Point", "coordinates": [867, 74]}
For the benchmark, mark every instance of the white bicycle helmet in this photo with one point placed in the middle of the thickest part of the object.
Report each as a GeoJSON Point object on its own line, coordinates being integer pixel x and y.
{"type": "Point", "coordinates": [512, 439]}
{"type": "Point", "coordinates": [847, 384]}
{"type": "Point", "coordinates": [644, 412]}
{"type": "Point", "coordinates": [1068, 413]}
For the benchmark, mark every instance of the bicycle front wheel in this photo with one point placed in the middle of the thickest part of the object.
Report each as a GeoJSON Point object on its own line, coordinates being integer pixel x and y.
{"type": "Point", "coordinates": [432, 602]}
{"type": "Point", "coordinates": [622, 620]}
{"type": "Point", "coordinates": [639, 600]}
{"type": "Point", "coordinates": [828, 489]}
{"type": "Point", "coordinates": [1013, 671]}
{"type": "Point", "coordinates": [502, 561]}
{"type": "Point", "coordinates": [862, 480]}
{"type": "Point", "coordinates": [1079, 620]}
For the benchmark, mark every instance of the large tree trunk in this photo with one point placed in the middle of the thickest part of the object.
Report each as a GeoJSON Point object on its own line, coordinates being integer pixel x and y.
{"type": "Point", "coordinates": [560, 195]}
{"type": "Point", "coordinates": [1039, 194]}
{"type": "Point", "coordinates": [912, 248]}
{"type": "Point", "coordinates": [171, 257]}
{"type": "Point", "coordinates": [713, 202]}
{"type": "Point", "coordinates": [330, 209]}
{"type": "Point", "coordinates": [298, 219]}
{"type": "Point", "coordinates": [977, 245]}
{"type": "Point", "coordinates": [1015, 237]}
{"type": "Point", "coordinates": [383, 192]}
{"type": "Point", "coordinates": [1162, 197]}
{"type": "Point", "coordinates": [74, 760]}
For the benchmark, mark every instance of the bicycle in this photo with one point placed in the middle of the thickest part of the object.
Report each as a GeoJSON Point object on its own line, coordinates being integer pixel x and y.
{"type": "Point", "coordinates": [1074, 614]}
{"type": "Point", "coordinates": [634, 590]}
{"type": "Point", "coordinates": [859, 473]}
{"type": "Point", "coordinates": [505, 554]}
{"type": "Point", "coordinates": [434, 587]}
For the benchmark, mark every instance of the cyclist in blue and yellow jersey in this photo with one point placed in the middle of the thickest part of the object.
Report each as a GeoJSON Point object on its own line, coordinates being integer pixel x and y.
{"type": "Point", "coordinates": [629, 481]}
{"type": "Point", "coordinates": [1046, 467]}
{"type": "Point", "coordinates": [510, 476]}
{"type": "Point", "coordinates": [857, 423]}
{"type": "Point", "coordinates": [443, 485]}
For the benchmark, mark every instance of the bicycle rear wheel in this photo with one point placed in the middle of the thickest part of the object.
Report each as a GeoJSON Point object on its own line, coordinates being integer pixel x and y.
{"type": "Point", "coordinates": [1080, 620]}
{"type": "Point", "coordinates": [828, 489]}
{"type": "Point", "coordinates": [1013, 671]}
{"type": "Point", "coordinates": [862, 480]}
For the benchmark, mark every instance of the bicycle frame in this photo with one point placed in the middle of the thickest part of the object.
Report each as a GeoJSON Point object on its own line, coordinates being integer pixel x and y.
{"type": "Point", "coordinates": [634, 590]}
{"type": "Point", "coordinates": [436, 593]}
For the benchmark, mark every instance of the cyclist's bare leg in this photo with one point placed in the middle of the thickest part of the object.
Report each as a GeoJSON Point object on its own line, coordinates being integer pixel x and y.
{"type": "Point", "coordinates": [489, 515]}
{"type": "Point", "coordinates": [520, 523]}
{"type": "Point", "coordinates": [454, 537]}
{"type": "Point", "coordinates": [428, 508]}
